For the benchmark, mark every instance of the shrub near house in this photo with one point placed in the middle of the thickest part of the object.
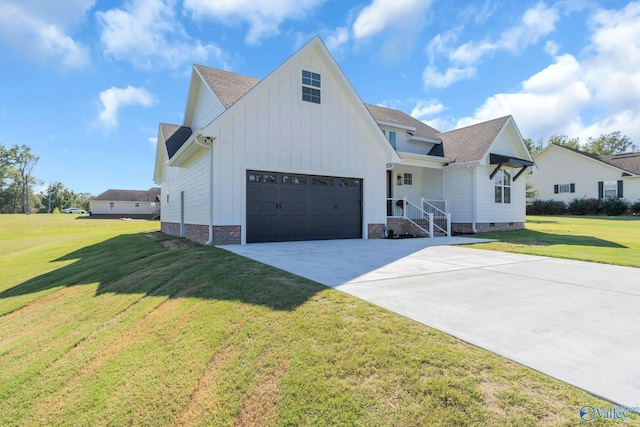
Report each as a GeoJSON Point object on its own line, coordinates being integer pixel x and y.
{"type": "Point", "coordinates": [610, 206]}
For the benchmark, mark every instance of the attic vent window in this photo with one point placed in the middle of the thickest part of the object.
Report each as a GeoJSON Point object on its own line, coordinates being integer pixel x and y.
{"type": "Point", "coordinates": [310, 87]}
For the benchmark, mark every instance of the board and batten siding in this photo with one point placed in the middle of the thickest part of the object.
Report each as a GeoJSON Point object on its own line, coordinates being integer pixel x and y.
{"type": "Point", "coordinates": [458, 185]}
{"type": "Point", "coordinates": [207, 107]}
{"type": "Point", "coordinates": [505, 144]}
{"type": "Point", "coordinates": [274, 130]}
{"type": "Point", "coordinates": [557, 166]}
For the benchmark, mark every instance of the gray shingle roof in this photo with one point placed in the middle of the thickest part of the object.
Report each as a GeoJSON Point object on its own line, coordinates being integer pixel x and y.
{"type": "Point", "coordinates": [467, 144]}
{"type": "Point", "coordinates": [389, 115]}
{"type": "Point", "coordinates": [471, 143]}
{"type": "Point", "coordinates": [150, 195]}
{"type": "Point", "coordinates": [174, 136]}
{"type": "Point", "coordinates": [229, 87]}
{"type": "Point", "coordinates": [629, 162]}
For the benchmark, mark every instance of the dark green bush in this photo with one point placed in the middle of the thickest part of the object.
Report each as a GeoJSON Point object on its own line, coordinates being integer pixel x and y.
{"type": "Point", "coordinates": [635, 207]}
{"type": "Point", "coordinates": [577, 206]}
{"type": "Point", "coordinates": [613, 206]}
{"type": "Point", "coordinates": [546, 207]}
{"type": "Point", "coordinates": [584, 206]}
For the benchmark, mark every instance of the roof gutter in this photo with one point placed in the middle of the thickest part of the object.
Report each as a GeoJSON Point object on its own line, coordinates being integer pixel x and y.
{"type": "Point", "coordinates": [208, 144]}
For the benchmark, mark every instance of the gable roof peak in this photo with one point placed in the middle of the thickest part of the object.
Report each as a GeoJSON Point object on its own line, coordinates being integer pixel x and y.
{"type": "Point", "coordinates": [471, 143]}
{"type": "Point", "coordinates": [228, 86]}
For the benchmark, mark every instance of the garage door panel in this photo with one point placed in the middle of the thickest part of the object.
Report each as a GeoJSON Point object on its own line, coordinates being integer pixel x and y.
{"type": "Point", "coordinates": [285, 207]}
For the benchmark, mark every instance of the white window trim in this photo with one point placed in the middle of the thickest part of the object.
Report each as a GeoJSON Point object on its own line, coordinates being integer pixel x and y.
{"type": "Point", "coordinates": [303, 85]}
{"type": "Point", "coordinates": [503, 185]}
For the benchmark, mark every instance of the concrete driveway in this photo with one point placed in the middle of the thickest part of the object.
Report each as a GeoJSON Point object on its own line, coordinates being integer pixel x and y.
{"type": "Point", "coordinates": [575, 321]}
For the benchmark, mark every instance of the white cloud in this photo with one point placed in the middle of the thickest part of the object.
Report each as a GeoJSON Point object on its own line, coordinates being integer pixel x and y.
{"type": "Point", "coordinates": [114, 98]}
{"type": "Point", "coordinates": [383, 14]}
{"type": "Point", "coordinates": [535, 23]}
{"type": "Point", "coordinates": [433, 78]}
{"type": "Point", "coordinates": [471, 52]}
{"type": "Point", "coordinates": [614, 69]}
{"type": "Point", "coordinates": [148, 33]}
{"type": "Point", "coordinates": [337, 38]}
{"type": "Point", "coordinates": [549, 101]}
{"type": "Point", "coordinates": [40, 30]}
{"type": "Point", "coordinates": [264, 17]}
{"type": "Point", "coordinates": [153, 140]}
{"type": "Point", "coordinates": [425, 109]}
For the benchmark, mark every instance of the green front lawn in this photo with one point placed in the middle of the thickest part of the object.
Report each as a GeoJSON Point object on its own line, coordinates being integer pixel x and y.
{"type": "Point", "coordinates": [609, 240]}
{"type": "Point", "coordinates": [104, 322]}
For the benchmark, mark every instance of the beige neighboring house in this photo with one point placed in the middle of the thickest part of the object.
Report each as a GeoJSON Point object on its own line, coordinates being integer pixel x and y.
{"type": "Point", "coordinates": [127, 203]}
{"type": "Point", "coordinates": [298, 156]}
{"type": "Point", "coordinates": [564, 174]}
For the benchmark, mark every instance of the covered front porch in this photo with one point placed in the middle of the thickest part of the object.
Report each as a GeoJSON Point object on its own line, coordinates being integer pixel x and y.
{"type": "Point", "coordinates": [416, 204]}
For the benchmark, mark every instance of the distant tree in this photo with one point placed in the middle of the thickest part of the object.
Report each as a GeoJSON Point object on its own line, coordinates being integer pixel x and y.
{"type": "Point", "coordinates": [5, 164]}
{"type": "Point", "coordinates": [531, 192]}
{"type": "Point", "coordinates": [533, 147]}
{"type": "Point", "coordinates": [24, 163]}
{"type": "Point", "coordinates": [57, 196]}
{"type": "Point", "coordinates": [610, 143]}
{"type": "Point", "coordinates": [565, 141]}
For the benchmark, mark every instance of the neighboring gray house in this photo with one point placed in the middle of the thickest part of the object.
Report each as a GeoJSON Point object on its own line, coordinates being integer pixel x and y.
{"type": "Point", "coordinates": [298, 156]}
{"type": "Point", "coordinates": [127, 203]}
{"type": "Point", "coordinates": [565, 173]}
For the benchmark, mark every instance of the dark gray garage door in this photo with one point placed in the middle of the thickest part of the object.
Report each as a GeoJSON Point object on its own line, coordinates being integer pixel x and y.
{"type": "Point", "coordinates": [286, 207]}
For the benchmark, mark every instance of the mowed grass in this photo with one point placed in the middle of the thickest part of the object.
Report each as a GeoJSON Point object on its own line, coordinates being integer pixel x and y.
{"type": "Point", "coordinates": [608, 240]}
{"type": "Point", "coordinates": [104, 322]}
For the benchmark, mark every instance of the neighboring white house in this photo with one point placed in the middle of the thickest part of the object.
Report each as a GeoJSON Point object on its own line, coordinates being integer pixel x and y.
{"type": "Point", "coordinates": [127, 203]}
{"type": "Point", "coordinates": [299, 156]}
{"type": "Point", "coordinates": [565, 173]}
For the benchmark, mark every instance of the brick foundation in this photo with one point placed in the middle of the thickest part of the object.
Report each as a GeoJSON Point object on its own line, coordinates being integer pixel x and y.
{"type": "Point", "coordinates": [375, 231]}
{"type": "Point", "coordinates": [222, 234]}
{"type": "Point", "coordinates": [226, 234]}
{"type": "Point", "coordinates": [485, 227]}
{"type": "Point", "coordinates": [402, 225]}
{"type": "Point", "coordinates": [196, 233]}
{"type": "Point", "coordinates": [170, 228]}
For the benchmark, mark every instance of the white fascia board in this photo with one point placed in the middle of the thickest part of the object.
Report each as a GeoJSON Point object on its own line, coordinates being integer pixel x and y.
{"type": "Point", "coordinates": [422, 139]}
{"type": "Point", "coordinates": [161, 155]}
{"type": "Point", "coordinates": [191, 93]}
{"type": "Point", "coordinates": [412, 159]}
{"type": "Point", "coordinates": [395, 125]}
{"type": "Point", "coordinates": [454, 165]}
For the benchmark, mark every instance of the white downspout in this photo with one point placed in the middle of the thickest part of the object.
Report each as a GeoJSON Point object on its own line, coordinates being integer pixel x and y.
{"type": "Point", "coordinates": [209, 140]}
{"type": "Point", "coordinates": [474, 210]}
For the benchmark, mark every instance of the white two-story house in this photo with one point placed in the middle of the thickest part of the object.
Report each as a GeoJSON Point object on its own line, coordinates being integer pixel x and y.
{"type": "Point", "coordinates": [297, 155]}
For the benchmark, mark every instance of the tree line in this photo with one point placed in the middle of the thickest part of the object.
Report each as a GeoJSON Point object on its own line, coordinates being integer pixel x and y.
{"type": "Point", "coordinates": [17, 185]}
{"type": "Point", "coordinates": [604, 145]}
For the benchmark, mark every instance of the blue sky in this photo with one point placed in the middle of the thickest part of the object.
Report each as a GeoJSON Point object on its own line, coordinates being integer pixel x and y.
{"type": "Point", "coordinates": [85, 83]}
